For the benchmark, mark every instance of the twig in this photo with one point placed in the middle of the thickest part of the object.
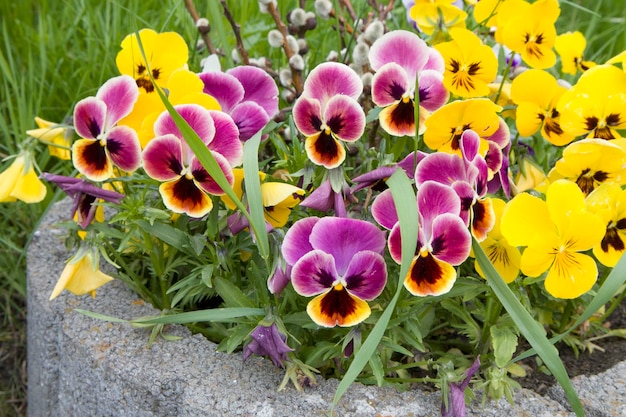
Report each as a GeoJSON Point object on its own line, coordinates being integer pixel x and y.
{"type": "Point", "coordinates": [282, 28]}
{"type": "Point", "coordinates": [237, 31]}
{"type": "Point", "coordinates": [348, 5]}
{"type": "Point", "coordinates": [205, 35]}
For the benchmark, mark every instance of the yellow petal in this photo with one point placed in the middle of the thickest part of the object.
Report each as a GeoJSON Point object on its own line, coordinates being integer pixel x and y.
{"type": "Point", "coordinates": [505, 258]}
{"type": "Point", "coordinates": [9, 178]}
{"type": "Point", "coordinates": [337, 307]}
{"type": "Point", "coordinates": [525, 220]}
{"type": "Point", "coordinates": [80, 276]}
{"type": "Point", "coordinates": [572, 275]}
{"type": "Point", "coordinates": [429, 276]}
{"type": "Point", "coordinates": [536, 260]}
{"type": "Point", "coordinates": [29, 187]}
{"type": "Point", "coordinates": [563, 199]}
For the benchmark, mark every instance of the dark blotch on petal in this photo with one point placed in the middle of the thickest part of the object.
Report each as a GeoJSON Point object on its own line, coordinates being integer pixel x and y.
{"type": "Point", "coordinates": [186, 190]}
{"type": "Point", "coordinates": [396, 91]}
{"type": "Point", "coordinates": [403, 114]}
{"type": "Point", "coordinates": [612, 239]}
{"type": "Point", "coordinates": [336, 123]}
{"type": "Point", "coordinates": [337, 303]}
{"type": "Point", "coordinates": [425, 269]}
{"type": "Point", "coordinates": [95, 155]}
{"type": "Point", "coordinates": [326, 146]}
{"type": "Point", "coordinates": [145, 83]}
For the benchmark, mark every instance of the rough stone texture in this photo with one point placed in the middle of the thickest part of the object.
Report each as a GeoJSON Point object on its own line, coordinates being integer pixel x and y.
{"type": "Point", "coordinates": [81, 366]}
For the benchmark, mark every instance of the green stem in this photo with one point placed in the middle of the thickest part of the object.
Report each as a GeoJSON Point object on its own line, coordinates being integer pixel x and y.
{"type": "Point", "coordinates": [492, 314]}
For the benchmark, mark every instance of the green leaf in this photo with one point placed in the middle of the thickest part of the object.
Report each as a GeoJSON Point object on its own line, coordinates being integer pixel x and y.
{"type": "Point", "coordinates": [404, 200]}
{"type": "Point", "coordinates": [529, 328]}
{"type": "Point", "coordinates": [253, 192]}
{"type": "Point", "coordinates": [231, 294]}
{"type": "Point", "coordinates": [211, 315]}
{"type": "Point", "coordinates": [504, 342]}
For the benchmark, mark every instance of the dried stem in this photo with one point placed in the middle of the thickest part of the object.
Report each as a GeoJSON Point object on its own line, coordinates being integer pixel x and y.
{"type": "Point", "coordinates": [282, 28]}
{"type": "Point", "coordinates": [237, 31]}
{"type": "Point", "coordinates": [348, 5]}
{"type": "Point", "coordinates": [205, 36]}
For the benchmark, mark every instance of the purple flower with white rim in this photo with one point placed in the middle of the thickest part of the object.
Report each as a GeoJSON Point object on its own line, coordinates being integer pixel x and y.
{"type": "Point", "coordinates": [103, 144]}
{"type": "Point", "coordinates": [247, 93]}
{"type": "Point", "coordinates": [467, 176]}
{"type": "Point", "coordinates": [339, 261]}
{"type": "Point", "coordinates": [186, 186]}
{"type": "Point", "coordinates": [84, 195]}
{"type": "Point", "coordinates": [398, 57]}
{"type": "Point", "coordinates": [443, 240]}
{"type": "Point", "coordinates": [268, 341]}
{"type": "Point", "coordinates": [328, 112]}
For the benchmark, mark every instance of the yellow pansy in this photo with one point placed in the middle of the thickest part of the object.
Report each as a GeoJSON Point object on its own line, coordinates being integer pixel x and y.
{"type": "Point", "coordinates": [570, 46]}
{"type": "Point", "coordinates": [81, 275]}
{"type": "Point", "coordinates": [609, 202]}
{"type": "Point", "coordinates": [434, 16]}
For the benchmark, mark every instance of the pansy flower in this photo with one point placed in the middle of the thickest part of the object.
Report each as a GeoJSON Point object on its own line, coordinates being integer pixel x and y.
{"type": "Point", "coordinates": [537, 94]}
{"type": "Point", "coordinates": [445, 126]}
{"type": "Point", "coordinates": [20, 181]}
{"type": "Point", "coordinates": [247, 93]}
{"type": "Point", "coordinates": [530, 31]}
{"type": "Point", "coordinates": [268, 341]}
{"type": "Point", "coordinates": [186, 185]}
{"type": "Point", "coordinates": [570, 46]}
{"type": "Point", "coordinates": [554, 239]}
{"type": "Point", "coordinates": [340, 262]}
{"type": "Point", "coordinates": [398, 57]}
{"type": "Point", "coordinates": [104, 144]}
{"type": "Point", "coordinates": [470, 65]}
{"type": "Point", "coordinates": [327, 113]}
{"type": "Point", "coordinates": [433, 17]}
{"type": "Point", "coordinates": [530, 177]}
{"type": "Point", "coordinates": [81, 275]}
{"type": "Point", "coordinates": [596, 105]}
{"type": "Point", "coordinates": [443, 240]}
{"type": "Point", "coordinates": [58, 137]}
{"type": "Point", "coordinates": [467, 176]}
{"type": "Point", "coordinates": [590, 163]}
{"type": "Point", "coordinates": [504, 257]}
{"type": "Point", "coordinates": [609, 202]}
{"type": "Point", "coordinates": [164, 53]}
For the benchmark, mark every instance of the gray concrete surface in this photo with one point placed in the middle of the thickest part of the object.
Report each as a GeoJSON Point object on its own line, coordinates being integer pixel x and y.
{"type": "Point", "coordinates": [80, 366]}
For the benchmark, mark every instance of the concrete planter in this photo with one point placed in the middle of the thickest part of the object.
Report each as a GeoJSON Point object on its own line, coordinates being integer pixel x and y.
{"type": "Point", "coordinates": [80, 366]}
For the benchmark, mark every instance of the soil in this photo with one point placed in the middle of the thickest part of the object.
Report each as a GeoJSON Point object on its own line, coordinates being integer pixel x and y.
{"type": "Point", "coordinates": [611, 351]}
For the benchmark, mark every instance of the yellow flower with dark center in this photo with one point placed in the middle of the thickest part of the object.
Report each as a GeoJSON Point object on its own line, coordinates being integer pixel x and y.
{"type": "Point", "coordinates": [470, 65]}
{"type": "Point", "coordinates": [446, 125]}
{"type": "Point", "coordinates": [58, 138]}
{"type": "Point", "coordinates": [164, 53]}
{"type": "Point", "coordinates": [504, 257]}
{"type": "Point", "coordinates": [530, 32]}
{"type": "Point", "coordinates": [20, 182]}
{"type": "Point", "coordinates": [596, 105]}
{"type": "Point", "coordinates": [536, 94]}
{"type": "Point", "coordinates": [571, 46]}
{"type": "Point", "coordinates": [438, 16]}
{"type": "Point", "coordinates": [592, 162]}
{"type": "Point", "coordinates": [609, 202]}
{"type": "Point", "coordinates": [554, 239]}
{"type": "Point", "coordinates": [81, 275]}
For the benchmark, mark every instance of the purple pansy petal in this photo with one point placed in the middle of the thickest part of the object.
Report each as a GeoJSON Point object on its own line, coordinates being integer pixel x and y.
{"type": "Point", "coordinates": [432, 93]}
{"type": "Point", "coordinates": [440, 167]}
{"type": "Point", "coordinates": [384, 210]}
{"type": "Point", "coordinates": [198, 118]}
{"type": "Point", "coordinates": [466, 192]}
{"type": "Point", "coordinates": [224, 87]}
{"type": "Point", "coordinates": [330, 79]}
{"type": "Point", "coordinates": [344, 237]}
{"type": "Point", "coordinates": [89, 117]}
{"type": "Point", "coordinates": [124, 148]}
{"type": "Point", "coordinates": [502, 136]}
{"type": "Point", "coordinates": [402, 47]}
{"type": "Point", "coordinates": [410, 162]}
{"type": "Point", "coordinates": [162, 158]}
{"type": "Point", "coordinates": [296, 242]}
{"type": "Point", "coordinates": [345, 118]}
{"type": "Point", "coordinates": [314, 273]}
{"type": "Point", "coordinates": [469, 144]}
{"type": "Point", "coordinates": [259, 87]}
{"type": "Point", "coordinates": [435, 61]}
{"type": "Point", "coordinates": [279, 280]}
{"type": "Point", "coordinates": [268, 341]}
{"type": "Point", "coordinates": [249, 118]}
{"type": "Point", "coordinates": [389, 84]}
{"type": "Point", "coordinates": [237, 222]}
{"type": "Point", "coordinates": [433, 199]}
{"type": "Point", "coordinates": [394, 243]}
{"type": "Point", "coordinates": [366, 275]}
{"type": "Point", "coordinates": [307, 115]}
{"type": "Point", "coordinates": [205, 181]}
{"type": "Point", "coordinates": [480, 166]}
{"type": "Point", "coordinates": [373, 177]}
{"type": "Point", "coordinates": [226, 141]}
{"type": "Point", "coordinates": [119, 94]}
{"type": "Point", "coordinates": [85, 210]}
{"type": "Point", "coordinates": [451, 240]}
{"type": "Point", "coordinates": [73, 187]}
{"type": "Point", "coordinates": [321, 199]}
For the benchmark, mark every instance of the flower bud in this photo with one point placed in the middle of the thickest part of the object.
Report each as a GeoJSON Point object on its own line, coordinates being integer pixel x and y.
{"type": "Point", "coordinates": [303, 47]}
{"type": "Point", "coordinates": [275, 38]}
{"type": "Point", "coordinates": [203, 25]}
{"type": "Point", "coordinates": [297, 17]}
{"type": "Point", "coordinates": [323, 8]}
{"type": "Point", "coordinates": [311, 21]}
{"type": "Point", "coordinates": [360, 54]}
{"type": "Point", "coordinates": [292, 42]}
{"type": "Point", "coordinates": [296, 62]}
{"type": "Point", "coordinates": [285, 77]}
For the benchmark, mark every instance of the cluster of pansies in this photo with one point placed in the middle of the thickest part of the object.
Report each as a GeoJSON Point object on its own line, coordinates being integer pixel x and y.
{"type": "Point", "coordinates": [459, 109]}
